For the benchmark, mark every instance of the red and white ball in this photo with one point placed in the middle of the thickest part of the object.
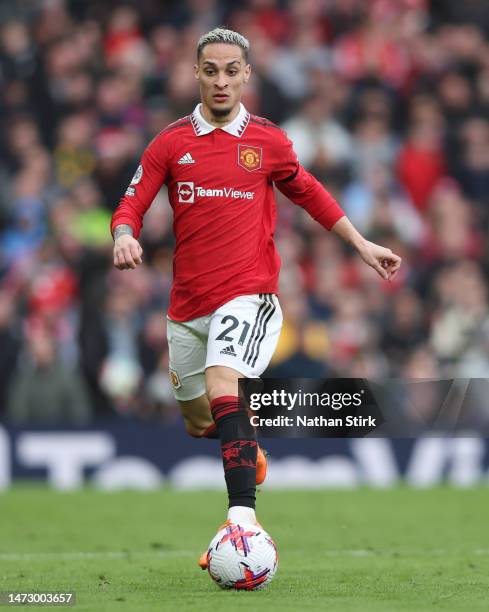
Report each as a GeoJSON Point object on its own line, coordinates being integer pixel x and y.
{"type": "Point", "coordinates": [242, 557]}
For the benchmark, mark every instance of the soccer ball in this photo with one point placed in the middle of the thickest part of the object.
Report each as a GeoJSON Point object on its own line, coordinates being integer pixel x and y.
{"type": "Point", "coordinates": [243, 557]}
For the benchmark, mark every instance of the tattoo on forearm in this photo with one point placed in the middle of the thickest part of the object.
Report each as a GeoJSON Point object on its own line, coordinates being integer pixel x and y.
{"type": "Point", "coordinates": [120, 230]}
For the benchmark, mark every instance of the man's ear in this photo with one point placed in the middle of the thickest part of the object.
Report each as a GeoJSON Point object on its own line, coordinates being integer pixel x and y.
{"type": "Point", "coordinates": [196, 71]}
{"type": "Point", "coordinates": [247, 73]}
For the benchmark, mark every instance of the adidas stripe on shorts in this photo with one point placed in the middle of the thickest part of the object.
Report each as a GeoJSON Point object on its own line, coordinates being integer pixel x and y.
{"type": "Point", "coordinates": [242, 334]}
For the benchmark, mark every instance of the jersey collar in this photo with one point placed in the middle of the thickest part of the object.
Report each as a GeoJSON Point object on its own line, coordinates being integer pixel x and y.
{"type": "Point", "coordinates": [236, 127]}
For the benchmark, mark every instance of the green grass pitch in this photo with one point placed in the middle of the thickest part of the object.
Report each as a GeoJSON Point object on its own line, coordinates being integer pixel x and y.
{"type": "Point", "coordinates": [361, 550]}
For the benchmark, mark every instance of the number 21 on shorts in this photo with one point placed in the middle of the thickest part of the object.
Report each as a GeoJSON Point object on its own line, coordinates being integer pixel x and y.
{"type": "Point", "coordinates": [230, 324]}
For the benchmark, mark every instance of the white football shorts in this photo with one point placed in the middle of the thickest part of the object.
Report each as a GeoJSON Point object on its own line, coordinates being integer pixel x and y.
{"type": "Point", "coordinates": [241, 334]}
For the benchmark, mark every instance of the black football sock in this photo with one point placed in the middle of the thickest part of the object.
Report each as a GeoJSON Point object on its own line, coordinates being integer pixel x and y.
{"type": "Point", "coordinates": [238, 450]}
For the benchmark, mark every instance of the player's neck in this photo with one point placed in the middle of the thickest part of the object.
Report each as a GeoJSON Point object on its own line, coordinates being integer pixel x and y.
{"type": "Point", "coordinates": [219, 121]}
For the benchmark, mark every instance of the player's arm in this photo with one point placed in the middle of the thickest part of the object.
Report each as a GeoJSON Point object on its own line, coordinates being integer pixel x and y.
{"type": "Point", "coordinates": [382, 260]}
{"type": "Point", "coordinates": [127, 219]}
{"type": "Point", "coordinates": [306, 191]}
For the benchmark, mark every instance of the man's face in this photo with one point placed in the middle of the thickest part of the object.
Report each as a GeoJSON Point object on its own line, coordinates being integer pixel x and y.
{"type": "Point", "coordinates": [222, 72]}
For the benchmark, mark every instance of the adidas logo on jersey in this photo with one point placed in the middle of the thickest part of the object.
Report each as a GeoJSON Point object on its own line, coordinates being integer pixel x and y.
{"type": "Point", "coordinates": [228, 350]}
{"type": "Point", "coordinates": [186, 159]}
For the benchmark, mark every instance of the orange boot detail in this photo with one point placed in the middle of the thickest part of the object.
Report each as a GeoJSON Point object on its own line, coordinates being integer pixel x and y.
{"type": "Point", "coordinates": [261, 465]}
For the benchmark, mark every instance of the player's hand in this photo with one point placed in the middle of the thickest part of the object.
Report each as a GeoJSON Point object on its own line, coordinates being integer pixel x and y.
{"type": "Point", "coordinates": [127, 252]}
{"type": "Point", "coordinates": [383, 260]}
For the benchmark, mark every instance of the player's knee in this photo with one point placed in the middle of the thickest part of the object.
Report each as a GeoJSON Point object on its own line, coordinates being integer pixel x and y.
{"type": "Point", "coordinates": [194, 430]}
{"type": "Point", "coordinates": [221, 381]}
{"type": "Point", "coordinates": [217, 390]}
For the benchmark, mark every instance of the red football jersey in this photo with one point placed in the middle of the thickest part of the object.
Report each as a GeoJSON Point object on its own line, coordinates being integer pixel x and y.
{"type": "Point", "coordinates": [220, 186]}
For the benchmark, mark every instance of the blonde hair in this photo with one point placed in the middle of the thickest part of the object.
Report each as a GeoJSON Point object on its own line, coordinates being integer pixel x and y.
{"type": "Point", "coordinates": [223, 35]}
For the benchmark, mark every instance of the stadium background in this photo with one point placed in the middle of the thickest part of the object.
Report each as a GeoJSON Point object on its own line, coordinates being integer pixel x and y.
{"type": "Point", "coordinates": [387, 103]}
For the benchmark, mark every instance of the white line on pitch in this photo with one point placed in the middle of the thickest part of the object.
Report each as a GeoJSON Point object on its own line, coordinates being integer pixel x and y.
{"type": "Point", "coordinates": [165, 554]}
{"type": "Point", "coordinates": [394, 552]}
{"type": "Point", "coordinates": [68, 556]}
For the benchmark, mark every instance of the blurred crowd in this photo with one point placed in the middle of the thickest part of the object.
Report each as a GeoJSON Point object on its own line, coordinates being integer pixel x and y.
{"type": "Point", "coordinates": [387, 103]}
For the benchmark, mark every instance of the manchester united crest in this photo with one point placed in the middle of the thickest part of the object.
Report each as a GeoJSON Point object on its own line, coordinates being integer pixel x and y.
{"type": "Point", "coordinates": [175, 379]}
{"type": "Point", "coordinates": [249, 158]}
